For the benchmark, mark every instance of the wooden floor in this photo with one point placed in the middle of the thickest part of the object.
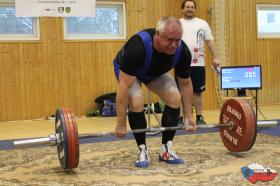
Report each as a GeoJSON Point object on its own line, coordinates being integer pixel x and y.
{"type": "Point", "coordinates": [43, 127]}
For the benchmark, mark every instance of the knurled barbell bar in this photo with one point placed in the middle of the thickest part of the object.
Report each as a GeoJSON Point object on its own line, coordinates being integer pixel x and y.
{"type": "Point", "coordinates": [238, 129]}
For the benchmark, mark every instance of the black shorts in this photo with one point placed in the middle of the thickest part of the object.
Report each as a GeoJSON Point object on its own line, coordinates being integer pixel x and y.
{"type": "Point", "coordinates": [198, 78]}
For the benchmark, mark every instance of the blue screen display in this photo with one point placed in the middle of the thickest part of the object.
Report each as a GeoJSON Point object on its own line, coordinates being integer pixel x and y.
{"type": "Point", "coordinates": [241, 77]}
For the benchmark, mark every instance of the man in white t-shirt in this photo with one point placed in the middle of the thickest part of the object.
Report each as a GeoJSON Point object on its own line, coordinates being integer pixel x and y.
{"type": "Point", "coordinates": [195, 32]}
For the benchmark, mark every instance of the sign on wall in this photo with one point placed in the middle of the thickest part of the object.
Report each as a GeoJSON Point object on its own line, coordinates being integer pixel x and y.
{"type": "Point", "coordinates": [55, 8]}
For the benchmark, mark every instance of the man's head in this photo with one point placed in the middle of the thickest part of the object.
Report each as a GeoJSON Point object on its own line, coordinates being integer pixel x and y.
{"type": "Point", "coordinates": [168, 35]}
{"type": "Point", "coordinates": [188, 8]}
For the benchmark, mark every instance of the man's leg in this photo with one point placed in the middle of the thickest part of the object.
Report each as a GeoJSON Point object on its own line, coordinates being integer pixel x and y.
{"type": "Point", "coordinates": [181, 117]}
{"type": "Point", "coordinates": [137, 120]}
{"type": "Point", "coordinates": [197, 102]}
{"type": "Point", "coordinates": [166, 88]}
{"type": "Point", "coordinates": [198, 80]}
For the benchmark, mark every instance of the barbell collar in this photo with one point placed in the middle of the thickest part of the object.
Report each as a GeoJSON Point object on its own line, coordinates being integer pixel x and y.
{"type": "Point", "coordinates": [50, 140]}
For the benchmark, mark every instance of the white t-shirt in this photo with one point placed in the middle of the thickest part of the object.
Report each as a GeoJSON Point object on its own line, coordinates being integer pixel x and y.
{"type": "Point", "coordinates": [195, 32]}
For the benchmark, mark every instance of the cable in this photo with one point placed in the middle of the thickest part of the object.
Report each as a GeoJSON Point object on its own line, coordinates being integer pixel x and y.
{"type": "Point", "coordinates": [258, 108]}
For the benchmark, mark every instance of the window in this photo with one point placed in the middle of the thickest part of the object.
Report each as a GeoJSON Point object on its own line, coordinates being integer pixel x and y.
{"type": "Point", "coordinates": [16, 28]}
{"type": "Point", "coordinates": [268, 21]}
{"type": "Point", "coordinates": [109, 23]}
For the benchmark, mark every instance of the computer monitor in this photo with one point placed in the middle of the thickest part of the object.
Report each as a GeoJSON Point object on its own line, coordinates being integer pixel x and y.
{"type": "Point", "coordinates": [241, 77]}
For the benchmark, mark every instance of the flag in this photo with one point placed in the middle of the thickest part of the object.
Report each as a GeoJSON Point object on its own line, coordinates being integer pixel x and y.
{"type": "Point", "coordinates": [256, 172]}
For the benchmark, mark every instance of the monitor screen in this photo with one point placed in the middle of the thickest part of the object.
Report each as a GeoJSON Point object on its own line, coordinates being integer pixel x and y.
{"type": "Point", "coordinates": [241, 77]}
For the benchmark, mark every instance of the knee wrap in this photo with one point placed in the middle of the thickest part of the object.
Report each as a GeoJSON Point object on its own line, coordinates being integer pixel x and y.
{"type": "Point", "coordinates": [137, 120]}
{"type": "Point", "coordinates": [170, 117]}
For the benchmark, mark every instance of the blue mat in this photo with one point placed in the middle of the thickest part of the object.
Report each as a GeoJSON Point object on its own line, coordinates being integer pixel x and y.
{"type": "Point", "coordinates": [6, 144]}
{"type": "Point", "coordinates": [274, 131]}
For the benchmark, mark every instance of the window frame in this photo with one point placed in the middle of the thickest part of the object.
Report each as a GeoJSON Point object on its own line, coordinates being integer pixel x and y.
{"type": "Point", "coordinates": [35, 36]}
{"type": "Point", "coordinates": [90, 37]}
{"type": "Point", "coordinates": [266, 35]}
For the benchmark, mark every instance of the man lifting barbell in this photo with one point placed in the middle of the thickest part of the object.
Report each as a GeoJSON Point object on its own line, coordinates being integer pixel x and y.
{"type": "Point", "coordinates": [146, 58]}
{"type": "Point", "coordinates": [238, 125]}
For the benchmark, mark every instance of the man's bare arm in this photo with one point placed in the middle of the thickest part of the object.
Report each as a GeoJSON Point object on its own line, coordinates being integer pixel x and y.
{"type": "Point", "coordinates": [186, 90]}
{"type": "Point", "coordinates": [125, 81]}
{"type": "Point", "coordinates": [212, 47]}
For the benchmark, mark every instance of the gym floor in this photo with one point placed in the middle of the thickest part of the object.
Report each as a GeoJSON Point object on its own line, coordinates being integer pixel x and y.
{"type": "Point", "coordinates": [208, 162]}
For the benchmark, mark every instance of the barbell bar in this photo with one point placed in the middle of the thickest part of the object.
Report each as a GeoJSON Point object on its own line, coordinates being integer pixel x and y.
{"type": "Point", "coordinates": [238, 129]}
{"type": "Point", "coordinates": [53, 139]}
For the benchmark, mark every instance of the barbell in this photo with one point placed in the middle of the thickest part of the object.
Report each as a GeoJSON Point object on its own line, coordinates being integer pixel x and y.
{"type": "Point", "coordinates": [237, 123]}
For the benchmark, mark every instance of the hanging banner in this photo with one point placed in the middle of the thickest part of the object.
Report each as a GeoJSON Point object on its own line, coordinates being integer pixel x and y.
{"type": "Point", "coordinates": [55, 8]}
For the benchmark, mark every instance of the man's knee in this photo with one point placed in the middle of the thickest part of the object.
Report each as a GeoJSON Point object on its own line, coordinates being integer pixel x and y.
{"type": "Point", "coordinates": [136, 103]}
{"type": "Point", "coordinates": [174, 99]}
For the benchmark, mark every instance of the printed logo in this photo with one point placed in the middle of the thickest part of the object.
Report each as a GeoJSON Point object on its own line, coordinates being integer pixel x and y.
{"type": "Point", "coordinates": [60, 9]}
{"type": "Point", "coordinates": [67, 10]}
{"type": "Point", "coordinates": [234, 112]}
{"type": "Point", "coordinates": [195, 50]}
{"type": "Point", "coordinates": [256, 172]}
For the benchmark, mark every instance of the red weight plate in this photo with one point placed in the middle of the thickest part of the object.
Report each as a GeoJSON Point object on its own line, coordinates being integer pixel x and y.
{"type": "Point", "coordinates": [242, 135]}
{"type": "Point", "coordinates": [76, 148]}
{"type": "Point", "coordinates": [253, 125]}
{"type": "Point", "coordinates": [68, 123]}
{"type": "Point", "coordinates": [62, 143]}
{"type": "Point", "coordinates": [73, 139]}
